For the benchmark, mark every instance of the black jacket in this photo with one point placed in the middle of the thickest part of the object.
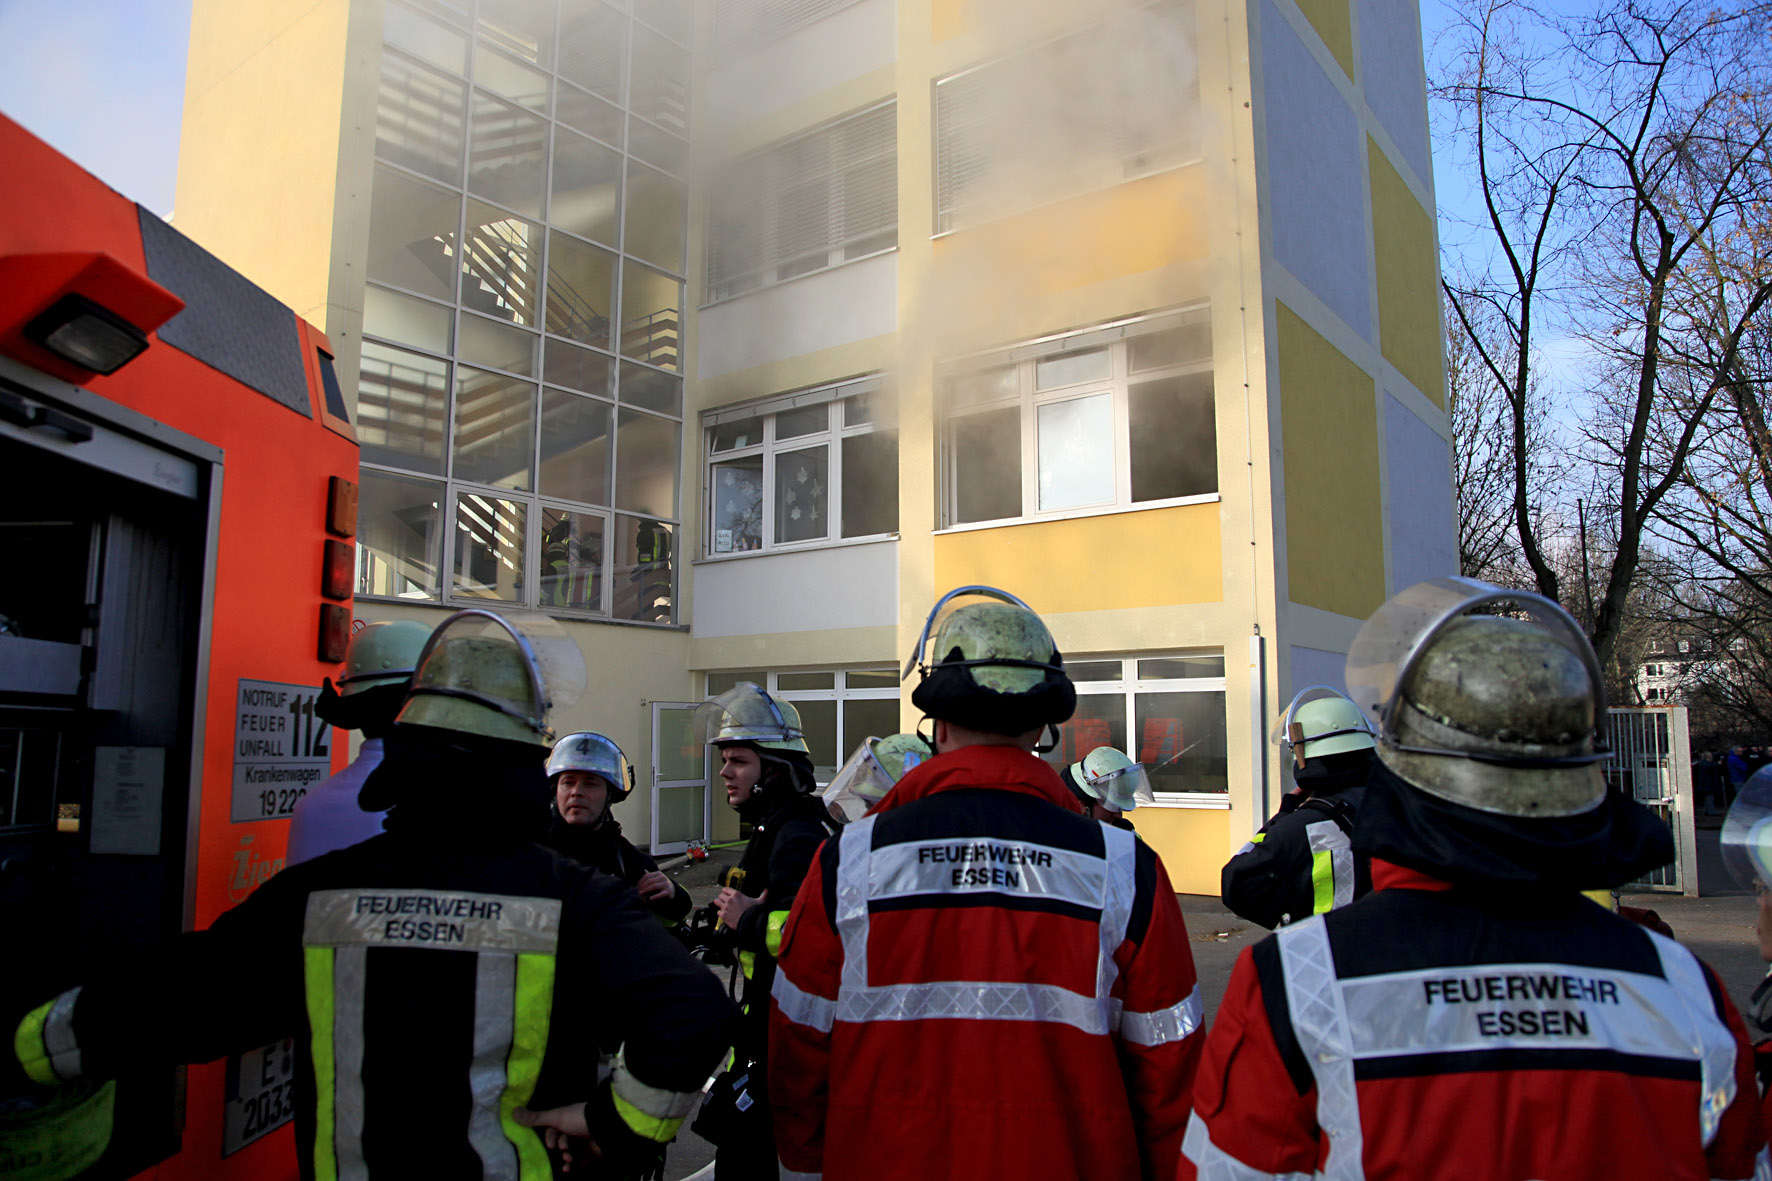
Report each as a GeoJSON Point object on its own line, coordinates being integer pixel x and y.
{"type": "Point", "coordinates": [1301, 862]}
{"type": "Point", "coordinates": [431, 977]}
{"type": "Point", "coordinates": [603, 848]}
{"type": "Point", "coordinates": [775, 861]}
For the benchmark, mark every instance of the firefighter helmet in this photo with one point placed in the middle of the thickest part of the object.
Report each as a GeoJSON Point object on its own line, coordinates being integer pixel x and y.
{"type": "Point", "coordinates": [1109, 776]}
{"type": "Point", "coordinates": [746, 713]}
{"type": "Point", "coordinates": [1501, 713]}
{"type": "Point", "coordinates": [1747, 832]}
{"type": "Point", "coordinates": [593, 753]}
{"type": "Point", "coordinates": [494, 676]}
{"type": "Point", "coordinates": [1321, 721]}
{"type": "Point", "coordinates": [995, 667]}
{"type": "Point", "coordinates": [382, 653]}
{"type": "Point", "coordinates": [876, 765]}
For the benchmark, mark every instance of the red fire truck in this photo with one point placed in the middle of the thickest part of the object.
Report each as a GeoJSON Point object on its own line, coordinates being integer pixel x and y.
{"type": "Point", "coordinates": [177, 502]}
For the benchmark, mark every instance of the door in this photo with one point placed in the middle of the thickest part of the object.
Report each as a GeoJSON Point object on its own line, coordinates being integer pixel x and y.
{"type": "Point", "coordinates": [679, 778]}
{"type": "Point", "coordinates": [1651, 758]}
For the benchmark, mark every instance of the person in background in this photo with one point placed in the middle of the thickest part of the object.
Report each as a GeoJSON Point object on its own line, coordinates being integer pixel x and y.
{"type": "Point", "coordinates": [590, 775]}
{"type": "Point", "coordinates": [1302, 861]}
{"type": "Point", "coordinates": [977, 980]}
{"type": "Point", "coordinates": [378, 665]}
{"type": "Point", "coordinates": [876, 765]}
{"type": "Point", "coordinates": [767, 769]}
{"type": "Point", "coordinates": [448, 983]}
{"type": "Point", "coordinates": [1736, 770]}
{"type": "Point", "coordinates": [1474, 1017]}
{"type": "Point", "coordinates": [1108, 784]}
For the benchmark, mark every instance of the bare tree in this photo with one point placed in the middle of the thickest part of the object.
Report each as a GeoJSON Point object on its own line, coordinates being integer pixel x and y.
{"type": "Point", "coordinates": [1608, 150]}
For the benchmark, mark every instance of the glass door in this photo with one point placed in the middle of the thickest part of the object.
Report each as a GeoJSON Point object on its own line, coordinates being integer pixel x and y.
{"type": "Point", "coordinates": [679, 778]}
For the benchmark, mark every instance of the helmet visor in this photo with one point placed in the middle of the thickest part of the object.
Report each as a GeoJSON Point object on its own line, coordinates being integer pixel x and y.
{"type": "Point", "coordinates": [1747, 833]}
{"type": "Point", "coordinates": [1393, 639]}
{"type": "Point", "coordinates": [943, 606]}
{"type": "Point", "coordinates": [1282, 731]}
{"type": "Point", "coordinates": [1123, 789]}
{"type": "Point", "coordinates": [459, 661]}
{"type": "Point", "coordinates": [859, 784]}
{"type": "Point", "coordinates": [744, 713]}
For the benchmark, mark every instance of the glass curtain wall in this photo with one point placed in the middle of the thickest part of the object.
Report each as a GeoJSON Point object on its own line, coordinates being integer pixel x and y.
{"type": "Point", "coordinates": [520, 403]}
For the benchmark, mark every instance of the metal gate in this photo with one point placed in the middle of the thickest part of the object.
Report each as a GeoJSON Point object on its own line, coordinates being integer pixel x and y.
{"type": "Point", "coordinates": [1652, 760]}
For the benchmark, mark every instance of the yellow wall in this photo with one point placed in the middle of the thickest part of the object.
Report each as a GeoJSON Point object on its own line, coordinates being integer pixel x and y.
{"type": "Point", "coordinates": [1333, 24]}
{"type": "Point", "coordinates": [259, 143]}
{"type": "Point", "coordinates": [1191, 842]}
{"type": "Point", "coordinates": [1408, 279]}
{"type": "Point", "coordinates": [1101, 563]}
{"type": "Point", "coordinates": [1329, 423]}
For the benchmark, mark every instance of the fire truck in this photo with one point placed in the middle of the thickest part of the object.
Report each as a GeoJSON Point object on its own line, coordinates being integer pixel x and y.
{"type": "Point", "coordinates": [177, 507]}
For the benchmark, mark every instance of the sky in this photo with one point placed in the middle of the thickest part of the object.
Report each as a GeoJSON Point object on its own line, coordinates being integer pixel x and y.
{"type": "Point", "coordinates": [103, 81]}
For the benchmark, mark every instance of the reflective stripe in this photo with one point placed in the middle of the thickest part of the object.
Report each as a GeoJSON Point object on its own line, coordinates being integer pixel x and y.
{"type": "Point", "coordinates": [747, 963]}
{"type": "Point", "coordinates": [980, 865]}
{"type": "Point", "coordinates": [1320, 1023]}
{"type": "Point", "coordinates": [1117, 876]}
{"type": "Point", "coordinates": [1332, 866]}
{"type": "Point", "coordinates": [772, 931]}
{"type": "Point", "coordinates": [451, 920]}
{"type": "Point", "coordinates": [349, 973]}
{"type": "Point", "coordinates": [788, 1174]}
{"type": "Point", "coordinates": [58, 1036]}
{"type": "Point", "coordinates": [852, 901]}
{"type": "Point", "coordinates": [1712, 1043]}
{"type": "Point", "coordinates": [653, 1101]}
{"type": "Point", "coordinates": [802, 1007]}
{"type": "Point", "coordinates": [1763, 1165]}
{"type": "Point", "coordinates": [27, 1046]}
{"type": "Point", "coordinates": [1213, 1163]}
{"type": "Point", "coordinates": [532, 1011]}
{"type": "Point", "coordinates": [971, 1000]}
{"type": "Point", "coordinates": [1163, 1026]}
{"type": "Point", "coordinates": [495, 980]}
{"type": "Point", "coordinates": [317, 972]}
{"type": "Point", "coordinates": [658, 1129]}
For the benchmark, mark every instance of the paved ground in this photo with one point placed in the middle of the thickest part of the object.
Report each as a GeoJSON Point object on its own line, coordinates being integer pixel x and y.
{"type": "Point", "coordinates": [1718, 925]}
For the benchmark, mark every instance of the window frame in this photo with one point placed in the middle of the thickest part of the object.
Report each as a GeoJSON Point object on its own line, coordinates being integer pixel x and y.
{"type": "Point", "coordinates": [840, 692]}
{"type": "Point", "coordinates": [1130, 685]}
{"type": "Point", "coordinates": [769, 447]}
{"type": "Point", "coordinates": [1028, 400]}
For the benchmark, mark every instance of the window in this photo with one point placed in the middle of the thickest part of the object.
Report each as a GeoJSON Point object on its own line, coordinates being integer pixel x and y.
{"type": "Point", "coordinates": [520, 399]}
{"type": "Point", "coordinates": [838, 707]}
{"type": "Point", "coordinates": [1685, 645]}
{"type": "Point", "coordinates": [816, 466]}
{"type": "Point", "coordinates": [1094, 421]}
{"type": "Point", "coordinates": [1167, 712]}
{"type": "Point", "coordinates": [805, 204]}
{"type": "Point", "coordinates": [747, 24]}
{"type": "Point", "coordinates": [1108, 104]}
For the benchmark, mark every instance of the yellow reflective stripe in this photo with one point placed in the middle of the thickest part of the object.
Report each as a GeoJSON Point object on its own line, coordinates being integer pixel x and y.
{"type": "Point", "coordinates": [28, 1047]}
{"type": "Point", "coordinates": [1258, 838]}
{"type": "Point", "coordinates": [317, 972]}
{"type": "Point", "coordinates": [1322, 882]}
{"type": "Point", "coordinates": [533, 1008]}
{"type": "Point", "coordinates": [747, 963]}
{"type": "Point", "coordinates": [653, 1127]}
{"type": "Point", "coordinates": [772, 933]}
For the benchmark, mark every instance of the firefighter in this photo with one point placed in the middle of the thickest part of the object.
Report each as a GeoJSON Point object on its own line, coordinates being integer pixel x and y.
{"type": "Point", "coordinates": [876, 765]}
{"type": "Point", "coordinates": [1302, 861]}
{"type": "Point", "coordinates": [1747, 851]}
{"type": "Point", "coordinates": [767, 770]}
{"type": "Point", "coordinates": [378, 665]}
{"type": "Point", "coordinates": [979, 981]}
{"type": "Point", "coordinates": [1475, 1016]}
{"type": "Point", "coordinates": [590, 775]}
{"type": "Point", "coordinates": [436, 978]}
{"type": "Point", "coordinates": [1108, 784]}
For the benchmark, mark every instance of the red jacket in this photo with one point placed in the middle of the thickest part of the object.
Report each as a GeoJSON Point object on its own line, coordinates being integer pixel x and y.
{"type": "Point", "coordinates": [1432, 1032]}
{"type": "Point", "coordinates": [978, 981]}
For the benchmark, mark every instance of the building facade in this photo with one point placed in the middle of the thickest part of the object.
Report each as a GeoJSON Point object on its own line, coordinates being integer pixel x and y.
{"type": "Point", "coordinates": [733, 333]}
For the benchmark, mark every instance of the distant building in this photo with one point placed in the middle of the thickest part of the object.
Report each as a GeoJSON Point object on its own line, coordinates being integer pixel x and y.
{"type": "Point", "coordinates": [733, 333]}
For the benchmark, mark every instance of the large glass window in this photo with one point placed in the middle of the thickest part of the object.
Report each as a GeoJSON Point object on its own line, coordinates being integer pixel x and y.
{"type": "Point", "coordinates": [1103, 419]}
{"type": "Point", "coordinates": [811, 202]}
{"type": "Point", "coordinates": [1166, 712]}
{"type": "Point", "coordinates": [1007, 137]}
{"type": "Point", "coordinates": [818, 466]}
{"type": "Point", "coordinates": [503, 441]}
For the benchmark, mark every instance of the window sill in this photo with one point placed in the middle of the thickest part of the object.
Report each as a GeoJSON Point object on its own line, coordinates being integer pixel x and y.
{"type": "Point", "coordinates": [803, 547]}
{"type": "Point", "coordinates": [1075, 514]}
{"type": "Point", "coordinates": [773, 284]}
{"type": "Point", "coordinates": [1211, 801]}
